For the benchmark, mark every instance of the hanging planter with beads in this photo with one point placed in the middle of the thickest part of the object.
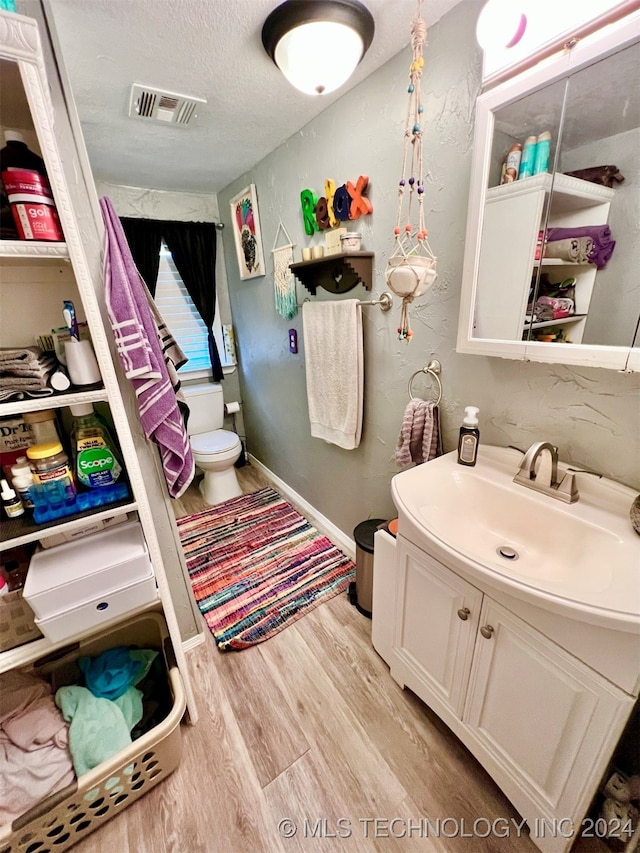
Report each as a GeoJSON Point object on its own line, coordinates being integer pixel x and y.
{"type": "Point", "coordinates": [411, 269]}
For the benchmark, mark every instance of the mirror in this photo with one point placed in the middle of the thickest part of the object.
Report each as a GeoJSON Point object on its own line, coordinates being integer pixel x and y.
{"type": "Point", "coordinates": [552, 253]}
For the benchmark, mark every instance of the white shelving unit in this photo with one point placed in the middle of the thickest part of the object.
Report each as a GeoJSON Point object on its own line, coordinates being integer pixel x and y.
{"type": "Point", "coordinates": [514, 216]}
{"type": "Point", "coordinates": [34, 278]}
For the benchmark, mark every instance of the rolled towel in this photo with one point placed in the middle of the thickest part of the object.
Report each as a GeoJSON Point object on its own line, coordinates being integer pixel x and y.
{"type": "Point", "coordinates": [603, 242]}
{"type": "Point", "coordinates": [574, 249]}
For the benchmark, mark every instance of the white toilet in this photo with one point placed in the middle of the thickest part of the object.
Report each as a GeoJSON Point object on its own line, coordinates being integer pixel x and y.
{"type": "Point", "coordinates": [214, 449]}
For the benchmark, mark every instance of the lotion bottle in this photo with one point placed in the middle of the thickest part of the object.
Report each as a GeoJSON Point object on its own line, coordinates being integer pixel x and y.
{"type": "Point", "coordinates": [469, 437]}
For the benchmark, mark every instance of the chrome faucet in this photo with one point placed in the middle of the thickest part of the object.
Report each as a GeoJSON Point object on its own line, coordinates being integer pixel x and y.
{"type": "Point", "coordinates": [545, 478]}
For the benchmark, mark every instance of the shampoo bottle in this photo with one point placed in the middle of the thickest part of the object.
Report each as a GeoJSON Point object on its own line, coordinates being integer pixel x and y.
{"type": "Point", "coordinates": [469, 437]}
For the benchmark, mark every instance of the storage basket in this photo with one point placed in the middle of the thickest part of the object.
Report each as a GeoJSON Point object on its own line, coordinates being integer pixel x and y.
{"type": "Point", "coordinates": [66, 817]}
{"type": "Point", "coordinates": [16, 621]}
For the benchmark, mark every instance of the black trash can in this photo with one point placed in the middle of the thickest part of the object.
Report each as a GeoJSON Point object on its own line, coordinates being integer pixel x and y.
{"type": "Point", "coordinates": [361, 592]}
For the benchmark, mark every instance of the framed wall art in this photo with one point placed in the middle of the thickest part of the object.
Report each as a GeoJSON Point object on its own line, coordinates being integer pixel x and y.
{"type": "Point", "coordinates": [246, 233]}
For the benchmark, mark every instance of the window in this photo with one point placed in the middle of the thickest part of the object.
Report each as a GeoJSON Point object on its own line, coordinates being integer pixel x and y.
{"type": "Point", "coordinates": [184, 321]}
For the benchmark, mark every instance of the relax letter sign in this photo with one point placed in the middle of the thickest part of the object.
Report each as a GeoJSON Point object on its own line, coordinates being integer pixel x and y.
{"type": "Point", "coordinates": [336, 205]}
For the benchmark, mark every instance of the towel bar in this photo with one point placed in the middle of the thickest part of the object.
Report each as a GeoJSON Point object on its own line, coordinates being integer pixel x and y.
{"type": "Point", "coordinates": [385, 302]}
{"type": "Point", "coordinates": [434, 368]}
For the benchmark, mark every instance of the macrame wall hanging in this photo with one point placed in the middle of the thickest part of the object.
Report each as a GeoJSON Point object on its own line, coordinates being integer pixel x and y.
{"type": "Point", "coordinates": [411, 269]}
{"type": "Point", "coordinates": [283, 281]}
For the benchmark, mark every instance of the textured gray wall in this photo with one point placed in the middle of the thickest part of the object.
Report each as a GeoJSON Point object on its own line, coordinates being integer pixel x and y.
{"type": "Point", "coordinates": [593, 415]}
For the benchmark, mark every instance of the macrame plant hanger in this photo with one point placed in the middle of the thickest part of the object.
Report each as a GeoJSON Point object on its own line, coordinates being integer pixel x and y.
{"type": "Point", "coordinates": [411, 269]}
{"type": "Point", "coordinates": [283, 281]}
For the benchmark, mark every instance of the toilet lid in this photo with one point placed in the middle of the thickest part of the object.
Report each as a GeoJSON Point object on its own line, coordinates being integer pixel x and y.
{"type": "Point", "coordinates": [216, 441]}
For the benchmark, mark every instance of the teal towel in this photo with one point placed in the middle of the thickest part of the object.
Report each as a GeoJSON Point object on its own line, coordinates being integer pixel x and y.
{"type": "Point", "coordinates": [110, 674]}
{"type": "Point", "coordinates": [98, 727]}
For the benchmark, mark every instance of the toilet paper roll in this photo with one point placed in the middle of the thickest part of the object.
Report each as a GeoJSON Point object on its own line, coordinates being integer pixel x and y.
{"type": "Point", "coordinates": [232, 408]}
{"type": "Point", "coordinates": [81, 363]}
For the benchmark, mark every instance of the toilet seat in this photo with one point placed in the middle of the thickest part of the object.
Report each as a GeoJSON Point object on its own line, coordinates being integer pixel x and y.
{"type": "Point", "coordinates": [215, 442]}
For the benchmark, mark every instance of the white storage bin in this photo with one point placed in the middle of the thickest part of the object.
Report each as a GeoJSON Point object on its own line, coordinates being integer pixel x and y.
{"type": "Point", "coordinates": [68, 576]}
{"type": "Point", "coordinates": [91, 614]}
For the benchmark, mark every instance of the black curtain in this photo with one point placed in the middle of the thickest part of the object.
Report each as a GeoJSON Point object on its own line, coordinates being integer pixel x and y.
{"type": "Point", "coordinates": [193, 246]}
{"type": "Point", "coordinates": [144, 237]}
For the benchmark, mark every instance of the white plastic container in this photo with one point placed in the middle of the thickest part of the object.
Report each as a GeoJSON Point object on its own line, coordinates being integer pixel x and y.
{"type": "Point", "coordinates": [91, 614]}
{"type": "Point", "coordinates": [77, 573]}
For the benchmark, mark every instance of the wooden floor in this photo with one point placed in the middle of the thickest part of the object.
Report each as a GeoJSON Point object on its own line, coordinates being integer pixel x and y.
{"type": "Point", "coordinates": [308, 731]}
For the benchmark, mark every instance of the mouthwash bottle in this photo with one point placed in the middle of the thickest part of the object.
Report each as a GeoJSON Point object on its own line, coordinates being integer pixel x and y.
{"type": "Point", "coordinates": [95, 460]}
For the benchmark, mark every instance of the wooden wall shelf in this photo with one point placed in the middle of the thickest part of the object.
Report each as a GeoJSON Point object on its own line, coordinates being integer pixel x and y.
{"type": "Point", "coordinates": [336, 273]}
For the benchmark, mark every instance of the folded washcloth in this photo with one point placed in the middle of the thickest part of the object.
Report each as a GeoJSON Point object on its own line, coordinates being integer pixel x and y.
{"type": "Point", "coordinates": [98, 728]}
{"type": "Point", "coordinates": [419, 439]}
{"type": "Point", "coordinates": [603, 243]}
{"type": "Point", "coordinates": [111, 673]}
{"type": "Point", "coordinates": [24, 355]}
{"type": "Point", "coordinates": [574, 249]}
{"type": "Point", "coordinates": [7, 394]}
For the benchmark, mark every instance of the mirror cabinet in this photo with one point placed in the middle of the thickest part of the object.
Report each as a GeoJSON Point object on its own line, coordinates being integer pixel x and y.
{"type": "Point", "coordinates": [552, 257]}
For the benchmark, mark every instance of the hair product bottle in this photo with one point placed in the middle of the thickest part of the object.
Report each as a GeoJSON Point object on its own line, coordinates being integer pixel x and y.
{"type": "Point", "coordinates": [513, 163]}
{"type": "Point", "coordinates": [543, 150]}
{"type": "Point", "coordinates": [527, 162]}
{"type": "Point", "coordinates": [469, 437]}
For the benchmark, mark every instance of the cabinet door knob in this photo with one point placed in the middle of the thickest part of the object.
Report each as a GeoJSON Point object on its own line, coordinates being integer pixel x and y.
{"type": "Point", "coordinates": [487, 631]}
{"type": "Point", "coordinates": [463, 613]}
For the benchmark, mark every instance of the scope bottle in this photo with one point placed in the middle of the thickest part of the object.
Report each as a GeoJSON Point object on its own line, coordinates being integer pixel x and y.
{"type": "Point", "coordinates": [96, 461]}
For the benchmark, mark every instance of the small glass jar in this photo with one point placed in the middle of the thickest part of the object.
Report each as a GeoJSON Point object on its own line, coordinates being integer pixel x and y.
{"type": "Point", "coordinates": [351, 241]}
{"type": "Point", "coordinates": [50, 464]}
{"type": "Point", "coordinates": [43, 426]}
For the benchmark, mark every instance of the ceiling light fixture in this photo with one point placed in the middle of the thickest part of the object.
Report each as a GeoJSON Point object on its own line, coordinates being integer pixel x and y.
{"type": "Point", "coordinates": [317, 44]}
{"type": "Point", "coordinates": [500, 25]}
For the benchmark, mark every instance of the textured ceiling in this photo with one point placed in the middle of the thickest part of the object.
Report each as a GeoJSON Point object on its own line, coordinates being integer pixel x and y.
{"type": "Point", "coordinates": [211, 49]}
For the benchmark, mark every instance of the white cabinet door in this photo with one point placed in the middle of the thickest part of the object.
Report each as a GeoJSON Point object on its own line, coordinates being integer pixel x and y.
{"type": "Point", "coordinates": [546, 722]}
{"type": "Point", "coordinates": [509, 235]}
{"type": "Point", "coordinates": [437, 615]}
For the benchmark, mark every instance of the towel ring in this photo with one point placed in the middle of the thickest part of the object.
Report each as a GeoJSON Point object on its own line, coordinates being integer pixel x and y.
{"type": "Point", "coordinates": [434, 368]}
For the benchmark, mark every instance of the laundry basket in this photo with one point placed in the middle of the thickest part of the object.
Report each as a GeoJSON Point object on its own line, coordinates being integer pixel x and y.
{"type": "Point", "coordinates": [64, 818]}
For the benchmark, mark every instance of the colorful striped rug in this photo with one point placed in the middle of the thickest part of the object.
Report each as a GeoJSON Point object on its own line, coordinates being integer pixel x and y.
{"type": "Point", "coordinates": [256, 565]}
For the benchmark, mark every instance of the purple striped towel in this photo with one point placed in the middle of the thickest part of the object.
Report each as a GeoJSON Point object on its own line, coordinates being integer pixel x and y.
{"type": "Point", "coordinates": [141, 356]}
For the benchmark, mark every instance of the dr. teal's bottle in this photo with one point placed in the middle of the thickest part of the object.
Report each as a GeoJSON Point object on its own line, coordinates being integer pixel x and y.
{"type": "Point", "coordinates": [469, 437]}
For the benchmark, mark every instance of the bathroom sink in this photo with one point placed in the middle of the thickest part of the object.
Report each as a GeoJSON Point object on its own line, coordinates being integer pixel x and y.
{"type": "Point", "coordinates": [582, 556]}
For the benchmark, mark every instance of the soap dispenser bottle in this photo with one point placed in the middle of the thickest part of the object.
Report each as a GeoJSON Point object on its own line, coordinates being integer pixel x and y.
{"type": "Point", "coordinates": [469, 437]}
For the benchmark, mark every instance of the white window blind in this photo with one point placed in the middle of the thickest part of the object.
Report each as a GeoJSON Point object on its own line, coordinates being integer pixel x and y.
{"type": "Point", "coordinates": [182, 317]}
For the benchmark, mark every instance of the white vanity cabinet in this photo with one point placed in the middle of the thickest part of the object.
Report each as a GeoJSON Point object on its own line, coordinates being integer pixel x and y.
{"type": "Point", "coordinates": [541, 721]}
{"type": "Point", "coordinates": [437, 615]}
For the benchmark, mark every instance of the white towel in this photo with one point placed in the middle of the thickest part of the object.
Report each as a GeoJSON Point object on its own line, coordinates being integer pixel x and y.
{"type": "Point", "coordinates": [334, 365]}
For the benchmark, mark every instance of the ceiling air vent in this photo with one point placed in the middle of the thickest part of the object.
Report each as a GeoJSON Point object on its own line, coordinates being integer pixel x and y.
{"type": "Point", "coordinates": [168, 107]}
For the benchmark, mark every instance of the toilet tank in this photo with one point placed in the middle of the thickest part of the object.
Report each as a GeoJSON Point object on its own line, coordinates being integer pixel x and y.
{"type": "Point", "coordinates": [206, 407]}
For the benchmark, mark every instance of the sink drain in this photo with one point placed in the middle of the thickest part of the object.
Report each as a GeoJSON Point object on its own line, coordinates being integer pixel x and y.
{"type": "Point", "coordinates": [506, 552]}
